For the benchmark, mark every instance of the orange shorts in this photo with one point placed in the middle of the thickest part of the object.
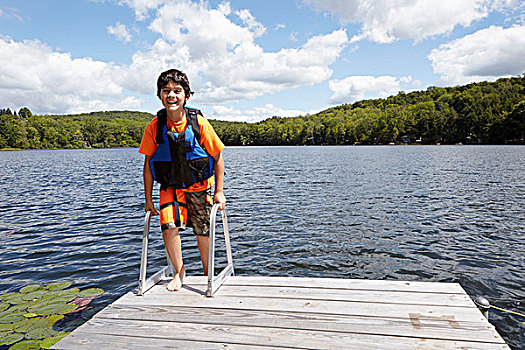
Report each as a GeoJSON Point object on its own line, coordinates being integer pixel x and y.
{"type": "Point", "coordinates": [179, 209]}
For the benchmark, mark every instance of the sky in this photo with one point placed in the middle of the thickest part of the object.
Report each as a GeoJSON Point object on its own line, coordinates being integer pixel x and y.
{"type": "Point", "coordinates": [249, 60]}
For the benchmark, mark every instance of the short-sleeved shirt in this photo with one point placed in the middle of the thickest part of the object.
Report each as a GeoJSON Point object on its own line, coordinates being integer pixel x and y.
{"type": "Point", "coordinates": [209, 141]}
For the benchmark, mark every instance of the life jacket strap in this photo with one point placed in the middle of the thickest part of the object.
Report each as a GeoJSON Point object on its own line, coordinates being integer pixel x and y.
{"type": "Point", "coordinates": [193, 120]}
{"type": "Point", "coordinates": [191, 116]}
{"type": "Point", "coordinates": [162, 120]}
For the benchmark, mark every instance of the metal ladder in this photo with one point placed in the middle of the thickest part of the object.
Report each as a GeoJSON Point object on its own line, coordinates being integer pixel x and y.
{"type": "Point", "coordinates": [214, 282]}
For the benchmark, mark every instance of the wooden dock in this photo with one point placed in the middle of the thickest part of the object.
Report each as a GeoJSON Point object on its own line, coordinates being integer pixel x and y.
{"type": "Point", "coordinates": [291, 313]}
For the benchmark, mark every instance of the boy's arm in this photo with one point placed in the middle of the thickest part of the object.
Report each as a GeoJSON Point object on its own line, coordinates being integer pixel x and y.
{"type": "Point", "coordinates": [148, 186]}
{"type": "Point", "coordinates": [218, 169]}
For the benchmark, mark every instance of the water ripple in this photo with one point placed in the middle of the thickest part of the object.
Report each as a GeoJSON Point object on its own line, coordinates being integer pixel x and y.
{"type": "Point", "coordinates": [452, 214]}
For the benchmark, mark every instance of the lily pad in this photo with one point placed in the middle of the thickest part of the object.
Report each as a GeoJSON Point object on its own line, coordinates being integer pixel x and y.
{"type": "Point", "coordinates": [30, 288]}
{"type": "Point", "coordinates": [52, 319]}
{"type": "Point", "coordinates": [81, 302]}
{"type": "Point", "coordinates": [59, 296]}
{"type": "Point", "coordinates": [18, 308]}
{"type": "Point", "coordinates": [30, 314]}
{"type": "Point", "coordinates": [43, 302]}
{"type": "Point", "coordinates": [59, 285]}
{"type": "Point", "coordinates": [33, 323]}
{"type": "Point", "coordinates": [37, 294]}
{"type": "Point", "coordinates": [6, 327]}
{"type": "Point", "coordinates": [10, 318]}
{"type": "Point", "coordinates": [53, 308]}
{"type": "Point", "coordinates": [80, 309]}
{"type": "Point", "coordinates": [9, 327]}
{"type": "Point", "coordinates": [15, 326]}
{"type": "Point", "coordinates": [39, 305]}
{"type": "Point", "coordinates": [49, 342]}
{"type": "Point", "coordinates": [70, 291]}
{"type": "Point", "coordinates": [55, 297]}
{"type": "Point", "coordinates": [40, 333]}
{"type": "Point", "coordinates": [11, 338]}
{"type": "Point", "coordinates": [26, 345]}
{"type": "Point", "coordinates": [6, 296]}
{"type": "Point", "coordinates": [12, 298]}
{"type": "Point", "coordinates": [4, 306]}
{"type": "Point", "coordinates": [91, 292]}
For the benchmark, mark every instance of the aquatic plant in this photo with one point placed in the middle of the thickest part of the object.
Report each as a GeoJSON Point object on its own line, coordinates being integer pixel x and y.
{"type": "Point", "coordinates": [27, 316]}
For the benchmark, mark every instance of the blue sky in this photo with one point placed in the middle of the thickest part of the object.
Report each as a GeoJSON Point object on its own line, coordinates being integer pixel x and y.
{"type": "Point", "coordinates": [249, 60]}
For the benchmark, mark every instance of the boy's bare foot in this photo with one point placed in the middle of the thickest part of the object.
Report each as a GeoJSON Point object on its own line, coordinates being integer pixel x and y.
{"type": "Point", "coordinates": [176, 283]}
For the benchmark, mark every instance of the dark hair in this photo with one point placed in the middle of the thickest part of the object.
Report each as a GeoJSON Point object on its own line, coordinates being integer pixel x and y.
{"type": "Point", "coordinates": [175, 76]}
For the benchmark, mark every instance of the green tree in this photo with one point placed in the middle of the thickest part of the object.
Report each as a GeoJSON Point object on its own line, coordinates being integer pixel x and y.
{"type": "Point", "coordinates": [515, 124]}
{"type": "Point", "coordinates": [24, 112]}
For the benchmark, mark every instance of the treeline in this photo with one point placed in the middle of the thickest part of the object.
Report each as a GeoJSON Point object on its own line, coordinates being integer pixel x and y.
{"type": "Point", "coordinates": [23, 130]}
{"type": "Point", "coordinates": [479, 113]}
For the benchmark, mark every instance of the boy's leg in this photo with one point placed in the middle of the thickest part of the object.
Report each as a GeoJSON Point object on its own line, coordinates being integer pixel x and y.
{"type": "Point", "coordinates": [199, 210]}
{"type": "Point", "coordinates": [172, 218]}
{"type": "Point", "coordinates": [204, 248]}
{"type": "Point", "coordinates": [174, 248]}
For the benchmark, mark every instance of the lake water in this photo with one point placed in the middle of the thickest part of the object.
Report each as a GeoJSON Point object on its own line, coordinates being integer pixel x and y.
{"type": "Point", "coordinates": [421, 213]}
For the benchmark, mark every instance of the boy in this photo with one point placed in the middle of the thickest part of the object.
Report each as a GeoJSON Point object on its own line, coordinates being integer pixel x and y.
{"type": "Point", "coordinates": [183, 154]}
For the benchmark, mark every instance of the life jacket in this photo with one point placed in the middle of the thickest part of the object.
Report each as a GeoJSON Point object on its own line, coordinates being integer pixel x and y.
{"type": "Point", "coordinates": [180, 161]}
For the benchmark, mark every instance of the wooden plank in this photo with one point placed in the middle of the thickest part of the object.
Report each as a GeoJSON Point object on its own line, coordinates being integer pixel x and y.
{"type": "Point", "coordinates": [367, 296]}
{"type": "Point", "coordinates": [291, 313]}
{"type": "Point", "coordinates": [160, 332]}
{"type": "Point", "coordinates": [86, 341]}
{"type": "Point", "coordinates": [332, 283]}
{"type": "Point", "coordinates": [409, 327]}
{"type": "Point", "coordinates": [306, 305]}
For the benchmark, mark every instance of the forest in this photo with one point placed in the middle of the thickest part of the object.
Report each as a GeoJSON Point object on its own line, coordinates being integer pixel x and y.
{"type": "Point", "coordinates": [477, 113]}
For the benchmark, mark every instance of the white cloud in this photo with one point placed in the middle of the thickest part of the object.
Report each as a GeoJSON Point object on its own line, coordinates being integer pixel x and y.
{"type": "Point", "coordinates": [221, 57]}
{"type": "Point", "coordinates": [46, 81]}
{"type": "Point", "coordinates": [141, 75]}
{"type": "Point", "coordinates": [248, 19]}
{"type": "Point", "coordinates": [120, 32]}
{"type": "Point", "coordinates": [215, 47]}
{"type": "Point", "coordinates": [206, 32]}
{"type": "Point", "coordinates": [142, 7]}
{"type": "Point", "coordinates": [251, 72]}
{"type": "Point", "coordinates": [10, 12]}
{"type": "Point", "coordinates": [485, 55]}
{"type": "Point", "coordinates": [251, 115]}
{"type": "Point", "coordinates": [385, 21]}
{"type": "Point", "coordinates": [356, 88]}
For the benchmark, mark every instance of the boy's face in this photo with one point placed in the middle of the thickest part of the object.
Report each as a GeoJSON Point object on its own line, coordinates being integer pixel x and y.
{"type": "Point", "coordinates": [173, 97]}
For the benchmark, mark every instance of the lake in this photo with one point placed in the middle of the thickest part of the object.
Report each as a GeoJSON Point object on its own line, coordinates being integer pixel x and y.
{"type": "Point", "coordinates": [419, 213]}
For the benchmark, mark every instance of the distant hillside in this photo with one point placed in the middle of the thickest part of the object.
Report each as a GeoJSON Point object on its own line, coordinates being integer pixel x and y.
{"type": "Point", "coordinates": [92, 130]}
{"type": "Point", "coordinates": [479, 113]}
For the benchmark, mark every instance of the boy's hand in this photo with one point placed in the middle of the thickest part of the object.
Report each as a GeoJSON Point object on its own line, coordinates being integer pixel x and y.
{"type": "Point", "coordinates": [220, 199]}
{"type": "Point", "coordinates": [150, 206]}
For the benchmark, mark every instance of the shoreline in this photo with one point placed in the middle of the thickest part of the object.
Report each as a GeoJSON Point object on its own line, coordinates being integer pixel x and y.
{"type": "Point", "coordinates": [358, 145]}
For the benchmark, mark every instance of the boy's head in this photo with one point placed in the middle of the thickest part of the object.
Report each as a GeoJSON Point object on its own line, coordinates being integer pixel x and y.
{"type": "Point", "coordinates": [175, 76]}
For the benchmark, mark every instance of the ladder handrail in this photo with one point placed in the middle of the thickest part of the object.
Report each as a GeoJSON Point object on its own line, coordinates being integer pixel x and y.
{"type": "Point", "coordinates": [214, 282]}
{"type": "Point", "coordinates": [144, 254]}
{"type": "Point", "coordinates": [146, 283]}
